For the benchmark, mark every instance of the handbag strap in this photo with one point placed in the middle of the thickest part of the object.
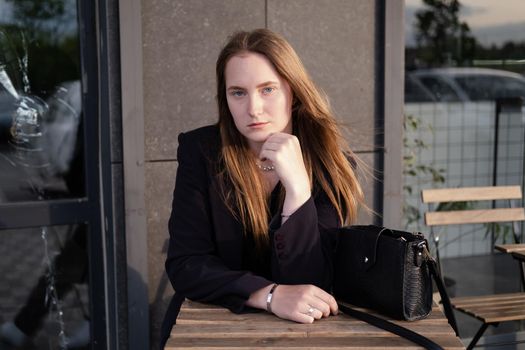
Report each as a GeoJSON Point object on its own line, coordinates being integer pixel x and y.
{"type": "Point", "coordinates": [447, 308]}
{"type": "Point", "coordinates": [405, 332]}
{"type": "Point", "coordinates": [391, 327]}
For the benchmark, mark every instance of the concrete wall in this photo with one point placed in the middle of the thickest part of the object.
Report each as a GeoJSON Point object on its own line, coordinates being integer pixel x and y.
{"type": "Point", "coordinates": [181, 41]}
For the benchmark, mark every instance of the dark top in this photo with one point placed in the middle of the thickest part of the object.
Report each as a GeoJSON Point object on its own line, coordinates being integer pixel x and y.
{"type": "Point", "coordinates": [211, 260]}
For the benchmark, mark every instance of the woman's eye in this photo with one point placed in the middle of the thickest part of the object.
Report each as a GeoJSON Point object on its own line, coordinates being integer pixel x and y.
{"type": "Point", "coordinates": [268, 90]}
{"type": "Point", "coordinates": [237, 93]}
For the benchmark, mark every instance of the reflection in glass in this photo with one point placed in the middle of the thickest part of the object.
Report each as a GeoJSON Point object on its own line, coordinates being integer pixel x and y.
{"type": "Point", "coordinates": [485, 87]}
{"type": "Point", "coordinates": [44, 295]}
{"type": "Point", "coordinates": [40, 101]}
{"type": "Point", "coordinates": [463, 60]}
{"type": "Point", "coordinates": [439, 89]}
{"type": "Point", "coordinates": [465, 127]}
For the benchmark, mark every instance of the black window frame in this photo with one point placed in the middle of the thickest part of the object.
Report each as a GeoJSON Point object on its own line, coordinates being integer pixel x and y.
{"type": "Point", "coordinates": [95, 208]}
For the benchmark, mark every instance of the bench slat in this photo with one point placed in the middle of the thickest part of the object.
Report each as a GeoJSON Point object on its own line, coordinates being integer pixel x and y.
{"type": "Point", "coordinates": [492, 298]}
{"type": "Point", "coordinates": [474, 216]}
{"type": "Point", "coordinates": [493, 308]}
{"type": "Point", "coordinates": [470, 194]}
{"type": "Point", "coordinates": [496, 317]}
{"type": "Point", "coordinates": [485, 309]}
{"type": "Point", "coordinates": [488, 309]}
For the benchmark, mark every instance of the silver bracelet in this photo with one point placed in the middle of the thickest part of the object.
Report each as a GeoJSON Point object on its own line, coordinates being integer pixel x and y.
{"type": "Point", "coordinates": [270, 297]}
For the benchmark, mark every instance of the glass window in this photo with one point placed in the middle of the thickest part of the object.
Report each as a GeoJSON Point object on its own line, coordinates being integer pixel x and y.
{"type": "Point", "coordinates": [470, 55]}
{"type": "Point", "coordinates": [415, 91]}
{"type": "Point", "coordinates": [49, 276]}
{"type": "Point", "coordinates": [467, 54]}
{"type": "Point", "coordinates": [487, 88]}
{"type": "Point", "coordinates": [41, 153]}
{"type": "Point", "coordinates": [440, 89]}
{"type": "Point", "coordinates": [44, 299]}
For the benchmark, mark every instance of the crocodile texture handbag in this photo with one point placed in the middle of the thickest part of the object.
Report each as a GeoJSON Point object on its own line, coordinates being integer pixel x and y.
{"type": "Point", "coordinates": [389, 272]}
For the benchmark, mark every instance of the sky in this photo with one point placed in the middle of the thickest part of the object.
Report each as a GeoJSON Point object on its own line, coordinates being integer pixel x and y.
{"type": "Point", "coordinates": [5, 10]}
{"type": "Point", "coordinates": [490, 21]}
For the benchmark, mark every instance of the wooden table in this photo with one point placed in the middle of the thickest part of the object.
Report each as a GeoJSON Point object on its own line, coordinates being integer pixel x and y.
{"type": "Point", "coordinates": [510, 248]}
{"type": "Point", "coordinates": [201, 326]}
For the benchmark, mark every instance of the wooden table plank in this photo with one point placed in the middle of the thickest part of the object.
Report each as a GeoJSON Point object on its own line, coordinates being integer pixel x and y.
{"type": "Point", "coordinates": [319, 329]}
{"type": "Point", "coordinates": [201, 326]}
{"type": "Point", "coordinates": [509, 248]}
{"type": "Point", "coordinates": [215, 315]}
{"type": "Point", "coordinates": [266, 343]}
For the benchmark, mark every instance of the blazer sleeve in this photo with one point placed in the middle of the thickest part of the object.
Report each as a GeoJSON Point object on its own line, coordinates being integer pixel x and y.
{"type": "Point", "coordinates": [304, 246]}
{"type": "Point", "coordinates": [193, 265]}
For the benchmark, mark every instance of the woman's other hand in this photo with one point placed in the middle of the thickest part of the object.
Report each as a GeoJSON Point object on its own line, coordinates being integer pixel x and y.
{"type": "Point", "coordinates": [300, 303]}
{"type": "Point", "coordinates": [284, 151]}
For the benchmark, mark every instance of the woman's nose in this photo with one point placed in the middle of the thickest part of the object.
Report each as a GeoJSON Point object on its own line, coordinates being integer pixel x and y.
{"type": "Point", "coordinates": [255, 106]}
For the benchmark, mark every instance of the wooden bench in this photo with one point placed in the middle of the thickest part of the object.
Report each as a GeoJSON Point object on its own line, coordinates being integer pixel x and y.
{"type": "Point", "coordinates": [202, 326]}
{"type": "Point", "coordinates": [489, 309]}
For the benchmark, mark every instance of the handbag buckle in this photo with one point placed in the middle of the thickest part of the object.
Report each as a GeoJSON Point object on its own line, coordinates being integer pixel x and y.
{"type": "Point", "coordinates": [421, 253]}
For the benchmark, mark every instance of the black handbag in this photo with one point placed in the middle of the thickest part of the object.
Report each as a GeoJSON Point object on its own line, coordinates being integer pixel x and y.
{"type": "Point", "coordinates": [390, 272]}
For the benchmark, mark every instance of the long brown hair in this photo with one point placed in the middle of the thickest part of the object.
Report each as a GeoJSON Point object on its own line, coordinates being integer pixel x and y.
{"type": "Point", "coordinates": [325, 152]}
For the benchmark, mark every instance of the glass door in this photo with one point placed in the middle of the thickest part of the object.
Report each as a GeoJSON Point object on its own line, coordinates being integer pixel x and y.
{"type": "Point", "coordinates": [51, 251]}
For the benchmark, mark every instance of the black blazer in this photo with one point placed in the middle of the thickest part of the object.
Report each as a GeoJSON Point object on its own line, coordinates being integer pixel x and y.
{"type": "Point", "coordinates": [205, 254]}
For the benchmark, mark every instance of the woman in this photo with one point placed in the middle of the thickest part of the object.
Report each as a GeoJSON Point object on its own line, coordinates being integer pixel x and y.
{"type": "Point", "coordinates": [257, 194]}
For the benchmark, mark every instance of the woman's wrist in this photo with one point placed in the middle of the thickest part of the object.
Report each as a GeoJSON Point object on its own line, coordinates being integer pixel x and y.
{"type": "Point", "coordinates": [298, 187]}
{"type": "Point", "coordinates": [269, 298]}
{"type": "Point", "coordinates": [293, 202]}
{"type": "Point", "coordinates": [258, 299]}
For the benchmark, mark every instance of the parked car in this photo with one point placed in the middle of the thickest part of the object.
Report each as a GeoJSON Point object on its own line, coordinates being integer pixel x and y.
{"type": "Point", "coordinates": [462, 84]}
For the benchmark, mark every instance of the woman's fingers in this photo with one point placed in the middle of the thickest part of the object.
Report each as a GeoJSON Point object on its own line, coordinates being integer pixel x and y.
{"type": "Point", "coordinates": [329, 301]}
{"type": "Point", "coordinates": [321, 306]}
{"type": "Point", "coordinates": [302, 318]}
{"type": "Point", "coordinates": [281, 148]}
{"type": "Point", "coordinates": [308, 315]}
{"type": "Point", "coordinates": [302, 303]}
{"type": "Point", "coordinates": [324, 302]}
{"type": "Point", "coordinates": [284, 151]}
{"type": "Point", "coordinates": [315, 313]}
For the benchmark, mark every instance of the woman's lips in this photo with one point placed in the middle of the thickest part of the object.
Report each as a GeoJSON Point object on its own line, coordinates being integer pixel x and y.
{"type": "Point", "coordinates": [258, 125]}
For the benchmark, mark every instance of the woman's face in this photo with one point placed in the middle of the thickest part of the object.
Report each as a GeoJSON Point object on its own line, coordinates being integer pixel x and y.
{"type": "Point", "coordinates": [259, 100]}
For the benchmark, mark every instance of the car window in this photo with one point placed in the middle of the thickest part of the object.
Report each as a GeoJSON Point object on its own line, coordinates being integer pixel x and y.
{"type": "Point", "coordinates": [487, 87]}
{"type": "Point", "coordinates": [440, 89]}
{"type": "Point", "coordinates": [415, 91]}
